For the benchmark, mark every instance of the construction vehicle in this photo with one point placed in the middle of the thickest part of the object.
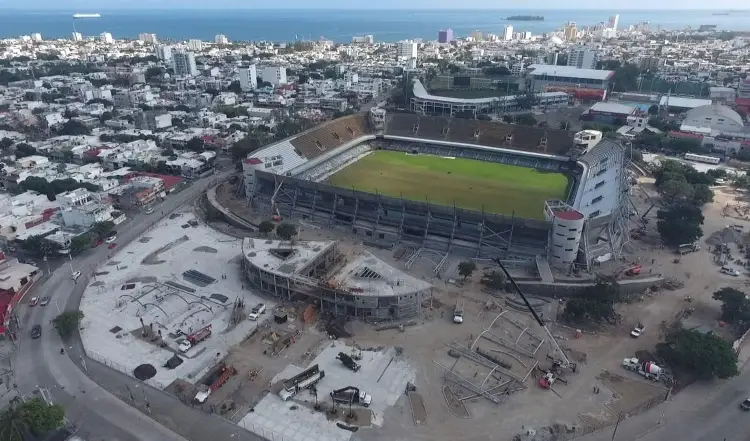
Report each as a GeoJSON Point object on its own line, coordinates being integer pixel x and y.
{"type": "Point", "coordinates": [214, 381]}
{"type": "Point", "coordinates": [351, 395]}
{"type": "Point", "coordinates": [648, 369]}
{"type": "Point", "coordinates": [638, 330]}
{"type": "Point", "coordinates": [300, 382]}
{"type": "Point", "coordinates": [195, 338]}
{"type": "Point", "coordinates": [458, 311]}
{"type": "Point", "coordinates": [348, 361]}
{"type": "Point", "coordinates": [686, 248]}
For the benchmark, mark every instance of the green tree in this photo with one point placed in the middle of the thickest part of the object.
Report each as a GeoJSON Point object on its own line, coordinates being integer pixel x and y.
{"type": "Point", "coordinates": [244, 147]}
{"type": "Point", "coordinates": [526, 119]}
{"type": "Point", "coordinates": [266, 227]}
{"type": "Point", "coordinates": [286, 231]}
{"type": "Point", "coordinates": [23, 150]}
{"type": "Point", "coordinates": [466, 268]}
{"type": "Point", "coordinates": [680, 224]}
{"type": "Point", "coordinates": [653, 110]}
{"type": "Point", "coordinates": [74, 128]}
{"type": "Point", "coordinates": [80, 243]}
{"type": "Point", "coordinates": [735, 308]}
{"type": "Point", "coordinates": [67, 323]}
{"type": "Point", "coordinates": [705, 355]}
{"type": "Point", "coordinates": [39, 246]}
{"type": "Point", "coordinates": [102, 229]}
{"type": "Point", "coordinates": [5, 143]}
{"type": "Point", "coordinates": [595, 303]}
{"type": "Point", "coordinates": [31, 419]}
{"type": "Point", "coordinates": [495, 280]}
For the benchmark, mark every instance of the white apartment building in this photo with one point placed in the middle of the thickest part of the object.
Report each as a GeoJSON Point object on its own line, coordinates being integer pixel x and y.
{"type": "Point", "coordinates": [183, 64]}
{"type": "Point", "coordinates": [36, 37]}
{"type": "Point", "coordinates": [275, 75]}
{"type": "Point", "coordinates": [221, 39]}
{"type": "Point", "coordinates": [163, 52]}
{"type": "Point", "coordinates": [614, 20]}
{"type": "Point", "coordinates": [76, 36]}
{"type": "Point", "coordinates": [525, 35]}
{"type": "Point", "coordinates": [508, 33]}
{"type": "Point", "coordinates": [80, 207]}
{"type": "Point", "coordinates": [407, 49]}
{"type": "Point", "coordinates": [106, 37]}
{"type": "Point", "coordinates": [89, 94]}
{"type": "Point", "coordinates": [581, 58]}
{"type": "Point", "coordinates": [248, 78]}
{"type": "Point", "coordinates": [148, 38]}
{"type": "Point", "coordinates": [195, 45]}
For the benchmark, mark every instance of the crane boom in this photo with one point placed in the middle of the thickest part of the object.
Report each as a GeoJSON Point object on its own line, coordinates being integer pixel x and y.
{"type": "Point", "coordinates": [565, 360]}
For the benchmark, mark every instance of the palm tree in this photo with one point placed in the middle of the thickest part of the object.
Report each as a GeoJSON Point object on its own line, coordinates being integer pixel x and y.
{"type": "Point", "coordinates": [14, 423]}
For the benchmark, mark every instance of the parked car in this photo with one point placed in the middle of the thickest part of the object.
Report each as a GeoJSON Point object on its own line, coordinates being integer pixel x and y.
{"type": "Point", "coordinates": [149, 210]}
{"type": "Point", "coordinates": [75, 276]}
{"type": "Point", "coordinates": [34, 301]}
{"type": "Point", "coordinates": [111, 246]}
{"type": "Point", "coordinates": [111, 239]}
{"type": "Point", "coordinates": [36, 331]}
{"type": "Point", "coordinates": [638, 330]}
{"type": "Point", "coordinates": [745, 405]}
{"type": "Point", "coordinates": [729, 271]}
{"type": "Point", "coordinates": [44, 301]}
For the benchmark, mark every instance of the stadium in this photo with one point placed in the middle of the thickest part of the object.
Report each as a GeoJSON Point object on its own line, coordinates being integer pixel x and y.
{"type": "Point", "coordinates": [441, 185]}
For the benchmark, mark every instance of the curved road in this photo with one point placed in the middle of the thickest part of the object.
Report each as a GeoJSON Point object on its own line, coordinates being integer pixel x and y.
{"type": "Point", "coordinates": [98, 414]}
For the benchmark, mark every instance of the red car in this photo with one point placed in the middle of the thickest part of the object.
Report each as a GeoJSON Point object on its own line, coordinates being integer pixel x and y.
{"type": "Point", "coordinates": [112, 245]}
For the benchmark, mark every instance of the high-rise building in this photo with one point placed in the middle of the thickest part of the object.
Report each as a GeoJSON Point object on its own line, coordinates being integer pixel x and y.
{"type": "Point", "coordinates": [275, 75]}
{"type": "Point", "coordinates": [407, 49]}
{"type": "Point", "coordinates": [163, 52]}
{"type": "Point", "coordinates": [743, 91]}
{"type": "Point", "coordinates": [525, 35]}
{"type": "Point", "coordinates": [445, 36]}
{"type": "Point", "coordinates": [221, 39]}
{"type": "Point", "coordinates": [508, 33]}
{"type": "Point", "coordinates": [552, 58]}
{"type": "Point", "coordinates": [76, 36]}
{"type": "Point", "coordinates": [184, 64]}
{"type": "Point", "coordinates": [614, 20]}
{"type": "Point", "coordinates": [148, 38]}
{"type": "Point", "coordinates": [195, 45]}
{"type": "Point", "coordinates": [570, 31]}
{"type": "Point", "coordinates": [36, 36]}
{"type": "Point", "coordinates": [363, 39]}
{"type": "Point", "coordinates": [581, 57]}
{"type": "Point", "coordinates": [106, 37]}
{"type": "Point", "coordinates": [249, 78]}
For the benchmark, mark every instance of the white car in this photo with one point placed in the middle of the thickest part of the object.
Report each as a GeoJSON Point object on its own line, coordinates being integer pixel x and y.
{"type": "Point", "coordinates": [638, 330]}
{"type": "Point", "coordinates": [149, 210]}
{"type": "Point", "coordinates": [110, 239]}
{"type": "Point", "coordinates": [255, 313]}
{"type": "Point", "coordinates": [75, 275]}
{"type": "Point", "coordinates": [729, 271]}
{"type": "Point", "coordinates": [183, 345]}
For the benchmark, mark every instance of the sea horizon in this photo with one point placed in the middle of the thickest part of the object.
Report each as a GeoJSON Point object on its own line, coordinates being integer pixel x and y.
{"type": "Point", "coordinates": [339, 25]}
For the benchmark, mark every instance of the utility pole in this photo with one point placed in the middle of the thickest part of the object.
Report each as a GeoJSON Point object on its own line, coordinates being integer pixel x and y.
{"type": "Point", "coordinates": [614, 432]}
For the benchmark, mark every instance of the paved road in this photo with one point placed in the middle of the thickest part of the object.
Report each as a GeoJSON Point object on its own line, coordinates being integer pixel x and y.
{"type": "Point", "coordinates": [97, 413]}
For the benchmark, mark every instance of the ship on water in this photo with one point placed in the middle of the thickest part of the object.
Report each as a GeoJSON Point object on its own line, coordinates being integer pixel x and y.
{"type": "Point", "coordinates": [86, 15]}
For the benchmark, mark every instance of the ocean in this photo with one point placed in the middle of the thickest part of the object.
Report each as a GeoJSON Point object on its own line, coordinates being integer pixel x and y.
{"type": "Point", "coordinates": [337, 25]}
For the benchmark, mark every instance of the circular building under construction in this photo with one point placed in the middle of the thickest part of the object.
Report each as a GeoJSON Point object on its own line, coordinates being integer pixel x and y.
{"type": "Point", "coordinates": [354, 283]}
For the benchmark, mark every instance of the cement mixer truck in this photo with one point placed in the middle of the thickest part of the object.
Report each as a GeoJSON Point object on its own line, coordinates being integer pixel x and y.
{"type": "Point", "coordinates": [646, 368]}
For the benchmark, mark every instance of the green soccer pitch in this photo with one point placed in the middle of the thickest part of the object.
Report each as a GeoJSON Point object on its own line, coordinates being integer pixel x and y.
{"type": "Point", "coordinates": [468, 183]}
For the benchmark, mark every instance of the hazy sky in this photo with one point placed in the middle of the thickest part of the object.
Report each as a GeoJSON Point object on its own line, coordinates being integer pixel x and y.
{"type": "Point", "coordinates": [613, 5]}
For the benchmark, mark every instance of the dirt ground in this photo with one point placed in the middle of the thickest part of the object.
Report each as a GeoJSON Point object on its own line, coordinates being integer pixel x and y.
{"type": "Point", "coordinates": [599, 355]}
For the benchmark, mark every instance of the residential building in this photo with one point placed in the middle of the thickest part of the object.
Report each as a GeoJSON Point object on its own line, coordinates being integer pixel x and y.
{"type": "Point", "coordinates": [407, 49]}
{"type": "Point", "coordinates": [90, 93]}
{"type": "Point", "coordinates": [163, 52]}
{"type": "Point", "coordinates": [613, 21]}
{"type": "Point", "coordinates": [651, 63]}
{"type": "Point", "coordinates": [581, 57]}
{"type": "Point", "coordinates": [743, 91]}
{"type": "Point", "coordinates": [183, 64]}
{"type": "Point", "coordinates": [508, 32]}
{"type": "Point", "coordinates": [80, 207]}
{"type": "Point", "coordinates": [570, 31]}
{"type": "Point", "coordinates": [275, 75]}
{"type": "Point", "coordinates": [36, 37]}
{"type": "Point", "coordinates": [106, 37]}
{"type": "Point", "coordinates": [525, 35]}
{"type": "Point", "coordinates": [363, 39]}
{"type": "Point", "coordinates": [445, 36]}
{"type": "Point", "coordinates": [248, 78]}
{"type": "Point", "coordinates": [77, 36]}
{"type": "Point", "coordinates": [195, 45]}
{"type": "Point", "coordinates": [221, 39]}
{"type": "Point", "coordinates": [152, 120]}
{"type": "Point", "coordinates": [148, 38]}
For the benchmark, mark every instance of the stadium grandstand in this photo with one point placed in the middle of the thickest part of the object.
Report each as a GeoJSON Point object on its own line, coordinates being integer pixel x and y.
{"type": "Point", "coordinates": [293, 178]}
{"type": "Point", "coordinates": [580, 84]}
{"type": "Point", "coordinates": [424, 103]}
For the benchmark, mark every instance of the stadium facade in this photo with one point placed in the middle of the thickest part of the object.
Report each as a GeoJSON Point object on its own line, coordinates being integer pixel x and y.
{"type": "Point", "coordinates": [288, 179]}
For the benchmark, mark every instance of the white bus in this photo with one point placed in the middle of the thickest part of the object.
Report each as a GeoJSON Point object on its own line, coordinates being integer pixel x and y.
{"type": "Point", "coordinates": [701, 158]}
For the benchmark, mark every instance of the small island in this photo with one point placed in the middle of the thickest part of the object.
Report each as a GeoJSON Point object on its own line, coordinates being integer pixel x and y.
{"type": "Point", "coordinates": [525, 18]}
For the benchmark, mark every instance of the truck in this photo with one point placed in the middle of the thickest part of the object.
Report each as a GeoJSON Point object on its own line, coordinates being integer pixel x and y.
{"type": "Point", "coordinates": [214, 381]}
{"type": "Point", "coordinates": [292, 386]}
{"type": "Point", "coordinates": [458, 311]}
{"type": "Point", "coordinates": [686, 248]}
{"type": "Point", "coordinates": [348, 361]}
{"type": "Point", "coordinates": [194, 338]}
{"type": "Point", "coordinates": [648, 369]}
{"type": "Point", "coordinates": [351, 395]}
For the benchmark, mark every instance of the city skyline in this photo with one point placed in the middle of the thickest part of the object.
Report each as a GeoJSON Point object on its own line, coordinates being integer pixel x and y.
{"type": "Point", "coordinates": [101, 5]}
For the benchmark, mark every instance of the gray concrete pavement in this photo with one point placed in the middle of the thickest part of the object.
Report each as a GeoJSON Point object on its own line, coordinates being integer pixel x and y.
{"type": "Point", "coordinates": [94, 408]}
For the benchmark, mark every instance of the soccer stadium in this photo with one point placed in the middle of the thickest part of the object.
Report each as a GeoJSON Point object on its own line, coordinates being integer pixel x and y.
{"type": "Point", "coordinates": [442, 185]}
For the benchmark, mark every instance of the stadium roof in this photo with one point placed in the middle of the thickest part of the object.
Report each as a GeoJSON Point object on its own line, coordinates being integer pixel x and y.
{"type": "Point", "coordinates": [422, 93]}
{"type": "Point", "coordinates": [569, 71]}
{"type": "Point", "coordinates": [685, 103]}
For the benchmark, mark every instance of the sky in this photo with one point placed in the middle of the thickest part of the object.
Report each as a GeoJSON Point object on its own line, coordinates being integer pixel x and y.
{"type": "Point", "coordinates": [613, 5]}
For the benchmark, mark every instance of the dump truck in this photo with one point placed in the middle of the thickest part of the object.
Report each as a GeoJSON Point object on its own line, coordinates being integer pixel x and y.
{"type": "Point", "coordinates": [351, 395]}
{"type": "Point", "coordinates": [194, 338]}
{"type": "Point", "coordinates": [214, 381]}
{"type": "Point", "coordinates": [301, 381]}
{"type": "Point", "coordinates": [348, 361]}
{"type": "Point", "coordinates": [686, 248]}
{"type": "Point", "coordinates": [648, 369]}
{"type": "Point", "coordinates": [458, 311]}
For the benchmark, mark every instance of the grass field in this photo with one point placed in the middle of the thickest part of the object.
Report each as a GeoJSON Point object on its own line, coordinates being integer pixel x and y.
{"type": "Point", "coordinates": [470, 184]}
